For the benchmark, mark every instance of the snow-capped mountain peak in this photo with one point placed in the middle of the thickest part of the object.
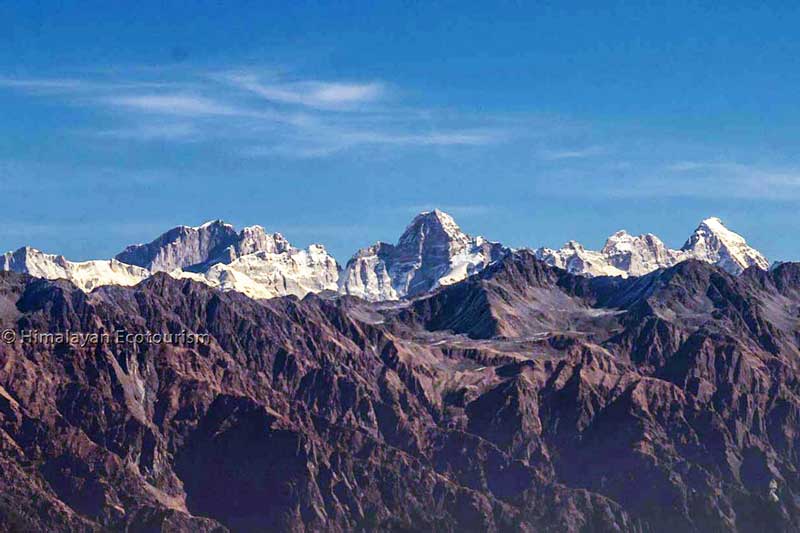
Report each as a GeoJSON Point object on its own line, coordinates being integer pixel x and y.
{"type": "Point", "coordinates": [636, 255]}
{"type": "Point", "coordinates": [86, 275]}
{"type": "Point", "coordinates": [254, 262]}
{"type": "Point", "coordinates": [574, 258]}
{"type": "Point", "coordinates": [435, 225]}
{"type": "Point", "coordinates": [627, 255]}
{"type": "Point", "coordinates": [432, 251]}
{"type": "Point", "coordinates": [266, 274]}
{"type": "Point", "coordinates": [715, 243]}
{"type": "Point", "coordinates": [574, 245]}
{"type": "Point", "coordinates": [256, 239]}
{"type": "Point", "coordinates": [215, 222]}
{"type": "Point", "coordinates": [181, 247]}
{"type": "Point", "coordinates": [251, 261]}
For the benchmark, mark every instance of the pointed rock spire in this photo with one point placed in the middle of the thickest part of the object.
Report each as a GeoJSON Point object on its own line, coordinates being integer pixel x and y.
{"type": "Point", "coordinates": [432, 251]}
{"type": "Point", "coordinates": [715, 243]}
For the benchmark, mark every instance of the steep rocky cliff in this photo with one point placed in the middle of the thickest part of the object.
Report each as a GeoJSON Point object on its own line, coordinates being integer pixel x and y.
{"type": "Point", "coordinates": [523, 398]}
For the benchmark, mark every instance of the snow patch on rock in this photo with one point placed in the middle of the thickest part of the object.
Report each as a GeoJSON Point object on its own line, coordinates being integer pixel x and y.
{"type": "Point", "coordinates": [431, 252]}
{"type": "Point", "coordinates": [86, 275]}
{"type": "Point", "coordinates": [264, 275]}
{"type": "Point", "coordinates": [714, 243]}
{"type": "Point", "coordinates": [627, 255]}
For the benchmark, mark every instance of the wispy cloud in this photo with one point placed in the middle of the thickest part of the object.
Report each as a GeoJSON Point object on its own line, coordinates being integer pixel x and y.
{"type": "Point", "coordinates": [44, 84]}
{"type": "Point", "coordinates": [325, 140]}
{"type": "Point", "coordinates": [259, 115]}
{"type": "Point", "coordinates": [78, 85]}
{"type": "Point", "coordinates": [713, 180]}
{"type": "Point", "coordinates": [706, 180]}
{"type": "Point", "coordinates": [579, 153]}
{"type": "Point", "coordinates": [755, 179]}
{"type": "Point", "coordinates": [177, 131]}
{"type": "Point", "coordinates": [717, 166]}
{"type": "Point", "coordinates": [454, 138]}
{"type": "Point", "coordinates": [175, 104]}
{"type": "Point", "coordinates": [316, 94]}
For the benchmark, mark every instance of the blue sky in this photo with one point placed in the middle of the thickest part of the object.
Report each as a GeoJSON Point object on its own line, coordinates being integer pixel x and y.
{"type": "Point", "coordinates": [531, 124]}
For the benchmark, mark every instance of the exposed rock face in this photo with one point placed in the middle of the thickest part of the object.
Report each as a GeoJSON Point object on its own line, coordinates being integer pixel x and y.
{"type": "Point", "coordinates": [523, 398]}
{"type": "Point", "coordinates": [431, 252]}
{"type": "Point", "coordinates": [252, 261]}
{"type": "Point", "coordinates": [182, 247]}
{"type": "Point", "coordinates": [637, 256]}
{"type": "Point", "coordinates": [714, 243]}
{"type": "Point", "coordinates": [626, 255]}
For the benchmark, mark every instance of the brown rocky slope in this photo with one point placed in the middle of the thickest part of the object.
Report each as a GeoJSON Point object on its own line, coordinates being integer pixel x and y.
{"type": "Point", "coordinates": [521, 399]}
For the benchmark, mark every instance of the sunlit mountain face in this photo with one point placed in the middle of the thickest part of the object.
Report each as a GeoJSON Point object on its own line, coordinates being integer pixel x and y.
{"type": "Point", "coordinates": [507, 394]}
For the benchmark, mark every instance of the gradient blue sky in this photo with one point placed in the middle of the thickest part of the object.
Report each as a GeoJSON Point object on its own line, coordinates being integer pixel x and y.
{"type": "Point", "coordinates": [531, 124]}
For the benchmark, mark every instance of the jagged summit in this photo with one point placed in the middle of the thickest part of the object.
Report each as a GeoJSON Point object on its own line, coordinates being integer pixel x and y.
{"type": "Point", "coordinates": [215, 222]}
{"type": "Point", "coordinates": [715, 243]}
{"type": "Point", "coordinates": [522, 399]}
{"type": "Point", "coordinates": [181, 247]}
{"type": "Point", "coordinates": [432, 251]}
{"type": "Point", "coordinates": [433, 223]}
{"type": "Point", "coordinates": [626, 255]}
{"type": "Point", "coordinates": [252, 261]}
{"type": "Point", "coordinates": [637, 255]}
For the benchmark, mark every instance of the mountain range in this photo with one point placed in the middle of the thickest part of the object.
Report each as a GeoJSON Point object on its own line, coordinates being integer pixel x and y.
{"type": "Point", "coordinates": [627, 255]}
{"type": "Point", "coordinates": [431, 253]}
{"type": "Point", "coordinates": [521, 398]}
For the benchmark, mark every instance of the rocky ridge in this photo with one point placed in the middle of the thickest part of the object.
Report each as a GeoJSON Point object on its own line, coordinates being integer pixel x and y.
{"type": "Point", "coordinates": [523, 398]}
{"type": "Point", "coordinates": [251, 261]}
{"type": "Point", "coordinates": [431, 253]}
{"type": "Point", "coordinates": [627, 255]}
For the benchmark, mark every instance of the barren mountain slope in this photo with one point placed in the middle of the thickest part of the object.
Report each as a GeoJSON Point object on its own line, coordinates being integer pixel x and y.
{"type": "Point", "coordinates": [523, 398]}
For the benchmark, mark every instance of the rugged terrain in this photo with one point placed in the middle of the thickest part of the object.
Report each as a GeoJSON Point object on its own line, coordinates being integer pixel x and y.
{"type": "Point", "coordinates": [524, 398]}
{"type": "Point", "coordinates": [626, 255]}
{"type": "Point", "coordinates": [432, 252]}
